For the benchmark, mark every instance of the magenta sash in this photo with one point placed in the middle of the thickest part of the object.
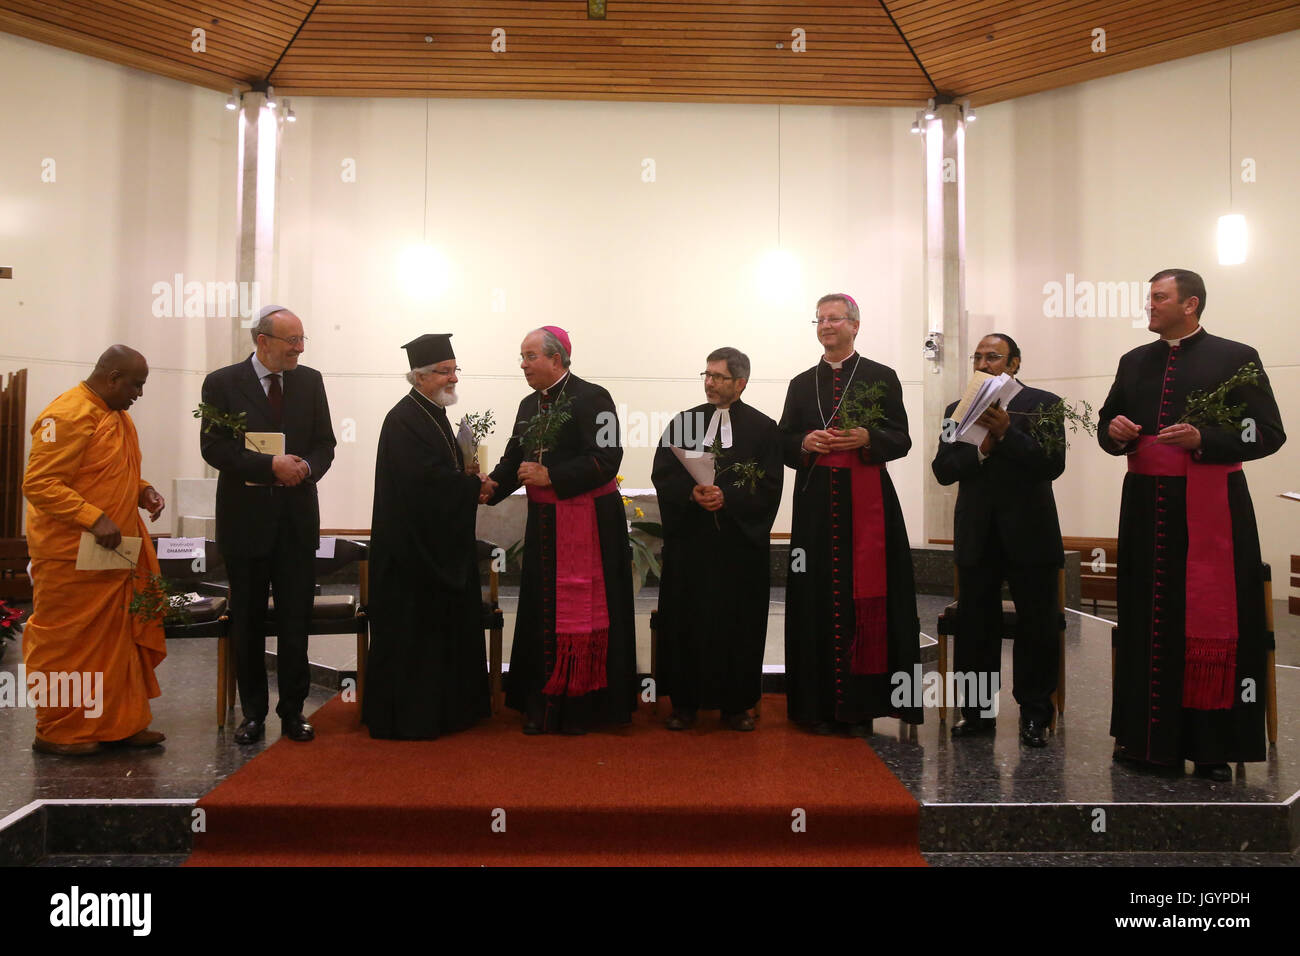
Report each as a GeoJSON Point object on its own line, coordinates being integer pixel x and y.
{"type": "Point", "coordinates": [1209, 672]}
{"type": "Point", "coordinates": [870, 651]}
{"type": "Point", "coordinates": [581, 614]}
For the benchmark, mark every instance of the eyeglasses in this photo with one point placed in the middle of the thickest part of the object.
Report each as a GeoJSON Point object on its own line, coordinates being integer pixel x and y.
{"type": "Point", "coordinates": [715, 377]}
{"type": "Point", "coordinates": [830, 319]}
{"type": "Point", "coordinates": [450, 372]}
{"type": "Point", "coordinates": [294, 340]}
{"type": "Point", "coordinates": [991, 356]}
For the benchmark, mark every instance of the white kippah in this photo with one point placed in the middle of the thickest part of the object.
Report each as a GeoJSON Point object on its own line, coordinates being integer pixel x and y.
{"type": "Point", "coordinates": [268, 310]}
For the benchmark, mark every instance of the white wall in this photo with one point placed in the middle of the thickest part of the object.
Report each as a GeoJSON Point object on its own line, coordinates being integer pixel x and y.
{"type": "Point", "coordinates": [1109, 180]}
{"type": "Point", "coordinates": [1113, 180]}
{"type": "Point", "coordinates": [143, 188]}
{"type": "Point", "coordinates": [545, 201]}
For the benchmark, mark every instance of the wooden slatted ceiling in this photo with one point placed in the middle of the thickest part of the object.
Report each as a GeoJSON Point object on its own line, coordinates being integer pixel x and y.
{"type": "Point", "coordinates": [995, 49]}
{"type": "Point", "coordinates": [877, 52]}
{"type": "Point", "coordinates": [644, 49]}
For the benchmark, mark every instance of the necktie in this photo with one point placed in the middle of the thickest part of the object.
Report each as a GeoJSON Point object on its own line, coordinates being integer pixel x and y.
{"type": "Point", "coordinates": [275, 395]}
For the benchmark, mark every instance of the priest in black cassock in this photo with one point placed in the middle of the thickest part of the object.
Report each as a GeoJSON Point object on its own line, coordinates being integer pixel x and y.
{"type": "Point", "coordinates": [850, 617]}
{"type": "Point", "coordinates": [714, 592]}
{"type": "Point", "coordinates": [428, 667]}
{"type": "Point", "coordinates": [573, 661]}
{"type": "Point", "coordinates": [1191, 643]}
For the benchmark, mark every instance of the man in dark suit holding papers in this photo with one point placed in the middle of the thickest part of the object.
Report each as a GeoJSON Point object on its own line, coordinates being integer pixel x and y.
{"type": "Point", "coordinates": [268, 517]}
{"type": "Point", "coordinates": [1006, 528]}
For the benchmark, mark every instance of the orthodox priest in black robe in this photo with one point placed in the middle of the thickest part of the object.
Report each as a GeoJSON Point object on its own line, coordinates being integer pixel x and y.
{"type": "Point", "coordinates": [573, 661]}
{"type": "Point", "coordinates": [714, 590]}
{"type": "Point", "coordinates": [427, 670]}
{"type": "Point", "coordinates": [1191, 643]}
{"type": "Point", "coordinates": [850, 620]}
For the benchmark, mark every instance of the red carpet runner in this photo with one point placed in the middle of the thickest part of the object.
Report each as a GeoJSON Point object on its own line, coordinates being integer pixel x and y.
{"type": "Point", "coordinates": [640, 795]}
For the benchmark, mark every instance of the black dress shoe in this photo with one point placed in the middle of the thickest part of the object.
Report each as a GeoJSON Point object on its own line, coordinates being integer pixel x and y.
{"type": "Point", "coordinates": [861, 729]}
{"type": "Point", "coordinates": [975, 727]}
{"type": "Point", "coordinates": [1147, 766]}
{"type": "Point", "coordinates": [532, 728]}
{"type": "Point", "coordinates": [740, 721]}
{"type": "Point", "coordinates": [680, 720]}
{"type": "Point", "coordinates": [250, 731]}
{"type": "Point", "coordinates": [1033, 733]}
{"type": "Point", "coordinates": [1214, 771]}
{"type": "Point", "coordinates": [297, 728]}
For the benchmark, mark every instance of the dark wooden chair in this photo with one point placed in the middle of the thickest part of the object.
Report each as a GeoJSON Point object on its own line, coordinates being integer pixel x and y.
{"type": "Point", "coordinates": [947, 628]}
{"type": "Point", "coordinates": [209, 617]}
{"type": "Point", "coordinates": [494, 624]}
{"type": "Point", "coordinates": [14, 583]}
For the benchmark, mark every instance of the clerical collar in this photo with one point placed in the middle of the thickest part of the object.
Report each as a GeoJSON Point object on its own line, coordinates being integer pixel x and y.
{"type": "Point", "coordinates": [547, 390]}
{"type": "Point", "coordinates": [840, 363]}
{"type": "Point", "coordinates": [1174, 343]}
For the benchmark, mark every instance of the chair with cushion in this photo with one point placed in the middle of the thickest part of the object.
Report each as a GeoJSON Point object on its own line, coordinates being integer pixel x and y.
{"type": "Point", "coordinates": [331, 614]}
{"type": "Point", "coordinates": [206, 618]}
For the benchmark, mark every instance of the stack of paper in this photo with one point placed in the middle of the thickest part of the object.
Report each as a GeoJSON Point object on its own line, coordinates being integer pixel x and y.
{"type": "Point", "coordinates": [982, 391]}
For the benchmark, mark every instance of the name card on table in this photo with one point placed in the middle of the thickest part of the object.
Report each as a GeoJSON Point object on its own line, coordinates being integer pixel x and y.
{"type": "Point", "coordinates": [186, 548]}
{"type": "Point", "coordinates": [326, 548]}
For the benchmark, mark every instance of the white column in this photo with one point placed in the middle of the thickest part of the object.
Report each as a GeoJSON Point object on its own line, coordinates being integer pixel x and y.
{"type": "Point", "coordinates": [256, 221]}
{"type": "Point", "coordinates": [945, 375]}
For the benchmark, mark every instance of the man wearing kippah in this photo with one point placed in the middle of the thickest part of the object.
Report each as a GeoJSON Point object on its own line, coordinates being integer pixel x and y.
{"type": "Point", "coordinates": [573, 662]}
{"type": "Point", "coordinates": [268, 516]}
{"type": "Point", "coordinates": [850, 620]}
{"type": "Point", "coordinates": [427, 672]}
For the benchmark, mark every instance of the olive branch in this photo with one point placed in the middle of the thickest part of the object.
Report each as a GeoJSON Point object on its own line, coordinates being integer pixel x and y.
{"type": "Point", "coordinates": [541, 431]}
{"type": "Point", "coordinates": [861, 406]}
{"type": "Point", "coordinates": [1212, 408]}
{"type": "Point", "coordinates": [1049, 423]}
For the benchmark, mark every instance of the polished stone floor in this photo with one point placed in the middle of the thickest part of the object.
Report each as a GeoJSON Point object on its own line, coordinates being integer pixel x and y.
{"type": "Point", "coordinates": [980, 798]}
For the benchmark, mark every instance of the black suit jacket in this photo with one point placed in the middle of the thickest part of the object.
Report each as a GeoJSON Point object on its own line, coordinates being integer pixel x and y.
{"type": "Point", "coordinates": [587, 452]}
{"type": "Point", "coordinates": [248, 516]}
{"type": "Point", "coordinates": [1010, 494]}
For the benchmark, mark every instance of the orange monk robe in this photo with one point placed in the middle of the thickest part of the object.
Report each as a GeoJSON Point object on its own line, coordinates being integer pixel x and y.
{"type": "Point", "coordinates": [85, 461]}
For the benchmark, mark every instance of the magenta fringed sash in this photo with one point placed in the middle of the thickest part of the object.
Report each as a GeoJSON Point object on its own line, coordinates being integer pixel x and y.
{"type": "Point", "coordinates": [581, 615]}
{"type": "Point", "coordinates": [869, 653]}
{"type": "Point", "coordinates": [1209, 673]}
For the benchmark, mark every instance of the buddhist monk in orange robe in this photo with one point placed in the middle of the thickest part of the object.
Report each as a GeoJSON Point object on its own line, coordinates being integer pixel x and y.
{"type": "Point", "coordinates": [84, 475]}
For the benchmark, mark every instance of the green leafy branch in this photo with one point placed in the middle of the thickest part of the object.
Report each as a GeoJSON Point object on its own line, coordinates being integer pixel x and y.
{"type": "Point", "coordinates": [748, 472]}
{"type": "Point", "coordinates": [1212, 408]}
{"type": "Point", "coordinates": [480, 425]}
{"type": "Point", "coordinates": [861, 406]}
{"type": "Point", "coordinates": [213, 417]}
{"type": "Point", "coordinates": [1050, 421]}
{"type": "Point", "coordinates": [541, 431]}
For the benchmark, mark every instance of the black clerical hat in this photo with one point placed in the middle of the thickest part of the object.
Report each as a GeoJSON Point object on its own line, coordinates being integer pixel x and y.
{"type": "Point", "coordinates": [429, 349]}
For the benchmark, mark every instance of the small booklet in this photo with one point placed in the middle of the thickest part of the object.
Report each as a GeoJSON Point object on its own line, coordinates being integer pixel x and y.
{"type": "Point", "coordinates": [91, 557]}
{"type": "Point", "coordinates": [266, 443]}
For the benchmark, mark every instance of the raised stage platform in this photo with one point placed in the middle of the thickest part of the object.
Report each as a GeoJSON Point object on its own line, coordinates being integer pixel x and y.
{"type": "Point", "coordinates": [983, 801]}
